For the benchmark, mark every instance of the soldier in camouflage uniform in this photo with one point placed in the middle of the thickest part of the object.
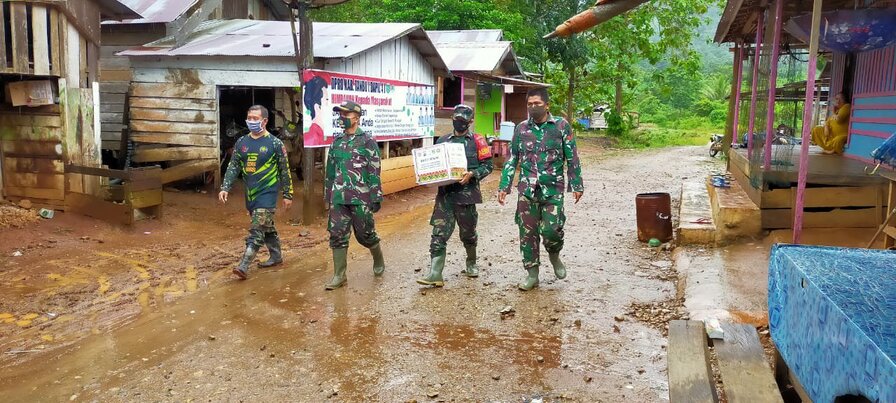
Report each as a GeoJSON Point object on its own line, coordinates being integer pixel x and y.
{"type": "Point", "coordinates": [540, 146]}
{"type": "Point", "coordinates": [261, 159]}
{"type": "Point", "coordinates": [354, 191]}
{"type": "Point", "coordinates": [456, 202]}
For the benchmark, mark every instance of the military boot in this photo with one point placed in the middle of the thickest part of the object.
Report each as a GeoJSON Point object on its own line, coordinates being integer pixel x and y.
{"type": "Point", "coordinates": [378, 265]}
{"type": "Point", "coordinates": [531, 280]}
{"type": "Point", "coordinates": [242, 271]}
{"type": "Point", "coordinates": [559, 268]}
{"type": "Point", "coordinates": [340, 261]}
{"type": "Point", "coordinates": [435, 272]}
{"type": "Point", "coordinates": [472, 270]}
{"type": "Point", "coordinates": [273, 245]}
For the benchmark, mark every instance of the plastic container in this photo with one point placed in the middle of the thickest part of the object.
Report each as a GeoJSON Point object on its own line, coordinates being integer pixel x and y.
{"type": "Point", "coordinates": [506, 131]}
{"type": "Point", "coordinates": [654, 216]}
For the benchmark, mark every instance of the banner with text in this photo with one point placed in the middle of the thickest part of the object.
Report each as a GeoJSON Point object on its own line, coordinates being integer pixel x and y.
{"type": "Point", "coordinates": [393, 110]}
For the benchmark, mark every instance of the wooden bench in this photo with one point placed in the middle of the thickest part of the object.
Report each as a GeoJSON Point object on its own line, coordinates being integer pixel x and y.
{"type": "Point", "coordinates": [745, 373]}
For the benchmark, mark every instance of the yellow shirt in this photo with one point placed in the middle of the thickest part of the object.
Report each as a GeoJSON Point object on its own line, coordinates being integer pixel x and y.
{"type": "Point", "coordinates": [839, 122]}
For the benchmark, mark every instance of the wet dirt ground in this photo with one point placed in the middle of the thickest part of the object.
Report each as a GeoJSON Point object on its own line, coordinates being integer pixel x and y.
{"type": "Point", "coordinates": [96, 313]}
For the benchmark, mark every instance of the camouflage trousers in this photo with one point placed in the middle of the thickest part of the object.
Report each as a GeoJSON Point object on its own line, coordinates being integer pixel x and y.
{"type": "Point", "coordinates": [444, 215]}
{"type": "Point", "coordinates": [261, 230]}
{"type": "Point", "coordinates": [345, 217]}
{"type": "Point", "coordinates": [539, 217]}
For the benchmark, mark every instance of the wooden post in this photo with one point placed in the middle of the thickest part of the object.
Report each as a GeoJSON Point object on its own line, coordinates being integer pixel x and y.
{"type": "Point", "coordinates": [760, 26]}
{"type": "Point", "coordinates": [807, 127]}
{"type": "Point", "coordinates": [735, 96]}
{"type": "Point", "coordinates": [773, 84]}
{"type": "Point", "coordinates": [304, 58]}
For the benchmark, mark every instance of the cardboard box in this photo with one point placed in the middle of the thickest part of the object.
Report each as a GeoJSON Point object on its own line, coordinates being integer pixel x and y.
{"type": "Point", "coordinates": [30, 93]}
{"type": "Point", "coordinates": [440, 164]}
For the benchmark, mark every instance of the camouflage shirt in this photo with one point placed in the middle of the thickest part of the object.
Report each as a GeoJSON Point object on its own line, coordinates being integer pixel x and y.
{"type": "Point", "coordinates": [353, 170]}
{"type": "Point", "coordinates": [479, 162]}
{"type": "Point", "coordinates": [540, 151]}
{"type": "Point", "coordinates": [264, 165]}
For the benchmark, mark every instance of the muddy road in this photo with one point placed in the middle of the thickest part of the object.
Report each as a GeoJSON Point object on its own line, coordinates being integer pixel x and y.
{"type": "Point", "coordinates": [146, 327]}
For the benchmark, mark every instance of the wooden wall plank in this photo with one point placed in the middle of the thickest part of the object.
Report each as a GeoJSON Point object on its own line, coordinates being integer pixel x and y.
{"type": "Point", "coordinates": [175, 154]}
{"type": "Point", "coordinates": [49, 194]}
{"type": "Point", "coordinates": [188, 169]}
{"type": "Point", "coordinates": [167, 90]}
{"type": "Point", "coordinates": [185, 116]}
{"type": "Point", "coordinates": [40, 44]}
{"type": "Point", "coordinates": [175, 138]}
{"type": "Point", "coordinates": [173, 103]}
{"type": "Point", "coordinates": [35, 180]}
{"type": "Point", "coordinates": [31, 148]}
{"type": "Point", "coordinates": [33, 165]}
{"type": "Point", "coordinates": [146, 198]}
{"type": "Point", "coordinates": [171, 127]}
{"type": "Point", "coordinates": [3, 65]}
{"type": "Point", "coordinates": [30, 120]}
{"type": "Point", "coordinates": [19, 30]}
{"type": "Point", "coordinates": [109, 75]}
{"type": "Point", "coordinates": [33, 133]}
{"type": "Point", "coordinates": [837, 218]}
{"type": "Point", "coordinates": [55, 43]}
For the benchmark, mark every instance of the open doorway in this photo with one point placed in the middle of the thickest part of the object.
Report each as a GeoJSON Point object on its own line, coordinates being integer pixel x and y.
{"type": "Point", "coordinates": [232, 106]}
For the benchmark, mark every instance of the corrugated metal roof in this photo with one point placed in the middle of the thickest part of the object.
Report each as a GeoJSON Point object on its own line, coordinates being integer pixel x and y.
{"type": "Point", "coordinates": [469, 35]}
{"type": "Point", "coordinates": [475, 56]}
{"type": "Point", "coordinates": [273, 39]}
{"type": "Point", "coordinates": [155, 11]}
{"type": "Point", "coordinates": [115, 9]}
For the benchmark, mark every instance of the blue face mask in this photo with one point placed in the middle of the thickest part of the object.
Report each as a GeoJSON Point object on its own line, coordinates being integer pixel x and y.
{"type": "Point", "coordinates": [254, 126]}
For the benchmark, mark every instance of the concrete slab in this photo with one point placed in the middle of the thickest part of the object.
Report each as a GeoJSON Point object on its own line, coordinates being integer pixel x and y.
{"type": "Point", "coordinates": [695, 214]}
{"type": "Point", "coordinates": [734, 213]}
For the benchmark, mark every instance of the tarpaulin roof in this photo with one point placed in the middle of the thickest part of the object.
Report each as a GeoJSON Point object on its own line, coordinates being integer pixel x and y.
{"type": "Point", "coordinates": [155, 11]}
{"type": "Point", "coordinates": [469, 35]}
{"type": "Point", "coordinates": [273, 39]}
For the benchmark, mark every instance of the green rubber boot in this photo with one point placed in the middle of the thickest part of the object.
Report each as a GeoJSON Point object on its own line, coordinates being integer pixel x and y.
{"type": "Point", "coordinates": [378, 265]}
{"type": "Point", "coordinates": [435, 272]}
{"type": "Point", "coordinates": [531, 280]}
{"type": "Point", "coordinates": [340, 261]}
{"type": "Point", "coordinates": [472, 270]}
{"type": "Point", "coordinates": [559, 268]}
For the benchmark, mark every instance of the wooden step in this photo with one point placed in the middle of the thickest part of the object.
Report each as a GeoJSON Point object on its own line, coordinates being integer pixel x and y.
{"type": "Point", "coordinates": [746, 375]}
{"type": "Point", "coordinates": [735, 215]}
{"type": "Point", "coordinates": [696, 225]}
{"type": "Point", "coordinates": [690, 375]}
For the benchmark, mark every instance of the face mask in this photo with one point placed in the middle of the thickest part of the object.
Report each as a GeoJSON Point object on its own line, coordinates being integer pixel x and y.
{"type": "Point", "coordinates": [538, 112]}
{"type": "Point", "coordinates": [460, 126]}
{"type": "Point", "coordinates": [345, 123]}
{"type": "Point", "coordinates": [254, 126]}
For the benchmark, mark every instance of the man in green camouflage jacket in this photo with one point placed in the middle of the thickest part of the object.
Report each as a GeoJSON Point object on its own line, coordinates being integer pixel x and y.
{"type": "Point", "coordinates": [261, 159]}
{"type": "Point", "coordinates": [456, 202]}
{"type": "Point", "coordinates": [354, 192]}
{"type": "Point", "coordinates": [541, 146]}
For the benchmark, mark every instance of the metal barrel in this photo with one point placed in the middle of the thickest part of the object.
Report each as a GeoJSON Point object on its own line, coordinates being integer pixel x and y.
{"type": "Point", "coordinates": [654, 216]}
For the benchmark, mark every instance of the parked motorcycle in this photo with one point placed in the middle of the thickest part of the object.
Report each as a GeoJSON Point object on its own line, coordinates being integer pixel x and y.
{"type": "Point", "coordinates": [715, 145]}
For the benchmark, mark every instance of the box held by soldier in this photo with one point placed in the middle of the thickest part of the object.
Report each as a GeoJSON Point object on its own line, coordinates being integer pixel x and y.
{"type": "Point", "coordinates": [439, 164]}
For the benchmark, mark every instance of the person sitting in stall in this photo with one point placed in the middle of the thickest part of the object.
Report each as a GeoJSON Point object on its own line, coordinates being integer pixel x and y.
{"type": "Point", "coordinates": [832, 136]}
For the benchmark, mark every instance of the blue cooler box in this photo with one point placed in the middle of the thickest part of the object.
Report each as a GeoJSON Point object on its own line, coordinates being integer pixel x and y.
{"type": "Point", "coordinates": [832, 315]}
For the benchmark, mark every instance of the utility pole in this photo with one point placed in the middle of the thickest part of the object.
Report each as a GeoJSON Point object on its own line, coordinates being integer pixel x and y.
{"type": "Point", "coordinates": [304, 50]}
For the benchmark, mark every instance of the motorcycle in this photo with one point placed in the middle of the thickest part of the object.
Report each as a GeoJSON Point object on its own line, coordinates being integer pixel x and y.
{"type": "Point", "coordinates": [715, 145]}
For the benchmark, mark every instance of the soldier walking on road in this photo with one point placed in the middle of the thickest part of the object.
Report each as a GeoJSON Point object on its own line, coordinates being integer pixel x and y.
{"type": "Point", "coordinates": [456, 202]}
{"type": "Point", "coordinates": [540, 146]}
{"type": "Point", "coordinates": [261, 159]}
{"type": "Point", "coordinates": [354, 191]}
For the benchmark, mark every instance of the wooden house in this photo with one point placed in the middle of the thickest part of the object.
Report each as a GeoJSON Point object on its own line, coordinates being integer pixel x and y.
{"type": "Point", "coordinates": [160, 18]}
{"type": "Point", "coordinates": [49, 73]}
{"type": "Point", "coordinates": [186, 100]}
{"type": "Point", "coordinates": [485, 75]}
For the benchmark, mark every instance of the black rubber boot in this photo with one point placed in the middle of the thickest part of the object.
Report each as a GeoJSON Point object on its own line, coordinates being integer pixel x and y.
{"type": "Point", "coordinates": [434, 277]}
{"type": "Point", "coordinates": [531, 280]}
{"type": "Point", "coordinates": [340, 261]}
{"type": "Point", "coordinates": [273, 245]}
{"type": "Point", "coordinates": [378, 265]}
{"type": "Point", "coordinates": [472, 270]}
{"type": "Point", "coordinates": [559, 267]}
{"type": "Point", "coordinates": [242, 271]}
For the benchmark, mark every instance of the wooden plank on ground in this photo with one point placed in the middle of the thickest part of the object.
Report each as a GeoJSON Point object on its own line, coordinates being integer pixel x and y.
{"type": "Point", "coordinates": [745, 371]}
{"type": "Point", "coordinates": [173, 103]}
{"type": "Point", "coordinates": [8, 119]}
{"type": "Point", "coordinates": [18, 27]}
{"type": "Point", "coordinates": [95, 207]}
{"type": "Point", "coordinates": [40, 43]}
{"type": "Point", "coordinates": [49, 194]}
{"type": "Point", "coordinates": [24, 148]}
{"type": "Point", "coordinates": [169, 127]}
{"type": "Point", "coordinates": [33, 165]}
{"type": "Point", "coordinates": [690, 375]}
{"type": "Point", "coordinates": [183, 139]}
{"type": "Point", "coordinates": [188, 169]}
{"type": "Point", "coordinates": [168, 115]}
{"type": "Point", "coordinates": [175, 154]}
{"type": "Point", "coordinates": [170, 90]}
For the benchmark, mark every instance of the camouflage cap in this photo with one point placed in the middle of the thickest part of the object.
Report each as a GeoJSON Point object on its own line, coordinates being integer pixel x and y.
{"type": "Point", "coordinates": [347, 106]}
{"type": "Point", "coordinates": [464, 112]}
